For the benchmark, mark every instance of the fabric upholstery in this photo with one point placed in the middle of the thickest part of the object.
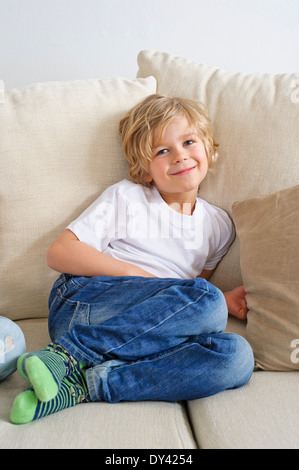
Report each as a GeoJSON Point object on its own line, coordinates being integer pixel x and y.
{"type": "Point", "coordinates": [268, 228]}
{"type": "Point", "coordinates": [59, 149]}
{"type": "Point", "coordinates": [261, 415]}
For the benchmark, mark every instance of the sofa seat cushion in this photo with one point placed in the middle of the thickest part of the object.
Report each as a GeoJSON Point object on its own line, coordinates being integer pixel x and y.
{"type": "Point", "coordinates": [263, 414]}
{"type": "Point", "coordinates": [142, 425]}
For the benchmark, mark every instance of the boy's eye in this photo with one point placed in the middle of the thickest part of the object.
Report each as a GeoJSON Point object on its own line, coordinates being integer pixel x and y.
{"type": "Point", "coordinates": [189, 142]}
{"type": "Point", "coordinates": [162, 152]}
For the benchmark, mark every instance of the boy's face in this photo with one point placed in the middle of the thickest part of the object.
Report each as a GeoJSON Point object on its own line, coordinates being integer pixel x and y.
{"type": "Point", "coordinates": [179, 162]}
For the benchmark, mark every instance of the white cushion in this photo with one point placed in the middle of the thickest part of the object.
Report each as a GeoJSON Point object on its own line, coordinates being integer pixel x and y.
{"type": "Point", "coordinates": [59, 149]}
{"type": "Point", "coordinates": [261, 415]}
{"type": "Point", "coordinates": [255, 120]}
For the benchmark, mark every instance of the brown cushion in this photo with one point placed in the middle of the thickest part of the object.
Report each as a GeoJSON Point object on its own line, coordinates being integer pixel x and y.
{"type": "Point", "coordinates": [268, 228]}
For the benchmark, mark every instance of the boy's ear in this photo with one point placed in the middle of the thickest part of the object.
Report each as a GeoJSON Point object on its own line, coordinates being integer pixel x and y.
{"type": "Point", "coordinates": [147, 178]}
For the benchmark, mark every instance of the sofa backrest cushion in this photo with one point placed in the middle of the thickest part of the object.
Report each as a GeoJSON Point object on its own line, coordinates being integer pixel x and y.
{"type": "Point", "coordinates": [59, 149]}
{"type": "Point", "coordinates": [255, 121]}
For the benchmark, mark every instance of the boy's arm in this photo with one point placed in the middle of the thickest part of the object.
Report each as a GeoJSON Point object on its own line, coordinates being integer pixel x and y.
{"type": "Point", "coordinates": [236, 302]}
{"type": "Point", "coordinates": [69, 255]}
{"type": "Point", "coordinates": [206, 274]}
{"type": "Point", "coordinates": [235, 299]}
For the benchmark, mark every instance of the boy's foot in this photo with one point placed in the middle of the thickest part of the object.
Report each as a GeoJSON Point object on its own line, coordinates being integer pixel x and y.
{"type": "Point", "coordinates": [27, 407]}
{"type": "Point", "coordinates": [45, 369]}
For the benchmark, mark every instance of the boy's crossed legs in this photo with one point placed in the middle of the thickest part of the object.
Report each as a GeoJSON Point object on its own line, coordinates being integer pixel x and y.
{"type": "Point", "coordinates": [162, 342]}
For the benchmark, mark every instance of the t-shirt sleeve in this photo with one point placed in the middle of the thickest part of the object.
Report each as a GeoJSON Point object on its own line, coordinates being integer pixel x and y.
{"type": "Point", "coordinates": [221, 237]}
{"type": "Point", "coordinates": [97, 225]}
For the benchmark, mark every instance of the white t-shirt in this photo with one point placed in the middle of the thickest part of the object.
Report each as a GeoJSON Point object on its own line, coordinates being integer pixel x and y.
{"type": "Point", "coordinates": [132, 223]}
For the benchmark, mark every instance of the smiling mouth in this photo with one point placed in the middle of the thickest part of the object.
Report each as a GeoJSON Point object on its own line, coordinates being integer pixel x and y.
{"type": "Point", "coordinates": [184, 171]}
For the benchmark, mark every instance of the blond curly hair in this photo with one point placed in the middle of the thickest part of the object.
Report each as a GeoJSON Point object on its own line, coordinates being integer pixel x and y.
{"type": "Point", "coordinates": [157, 111]}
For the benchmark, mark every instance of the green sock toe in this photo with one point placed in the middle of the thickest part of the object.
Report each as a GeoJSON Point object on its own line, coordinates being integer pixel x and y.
{"type": "Point", "coordinates": [41, 379]}
{"type": "Point", "coordinates": [24, 408]}
{"type": "Point", "coordinates": [27, 407]}
{"type": "Point", "coordinates": [46, 369]}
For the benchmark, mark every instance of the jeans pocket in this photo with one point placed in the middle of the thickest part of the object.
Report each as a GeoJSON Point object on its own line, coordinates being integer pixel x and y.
{"type": "Point", "coordinates": [81, 313]}
{"type": "Point", "coordinates": [65, 313]}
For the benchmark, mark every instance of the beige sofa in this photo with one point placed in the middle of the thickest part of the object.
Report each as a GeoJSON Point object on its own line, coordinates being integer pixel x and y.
{"type": "Point", "coordinates": [60, 148]}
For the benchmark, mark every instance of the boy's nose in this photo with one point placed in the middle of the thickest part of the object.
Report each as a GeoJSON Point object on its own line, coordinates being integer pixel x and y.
{"type": "Point", "coordinates": [179, 156]}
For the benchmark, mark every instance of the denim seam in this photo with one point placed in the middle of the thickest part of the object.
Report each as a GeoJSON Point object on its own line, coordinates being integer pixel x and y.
{"type": "Point", "coordinates": [53, 301]}
{"type": "Point", "coordinates": [69, 301]}
{"type": "Point", "coordinates": [75, 284]}
{"type": "Point", "coordinates": [86, 358]}
{"type": "Point", "coordinates": [157, 358]}
{"type": "Point", "coordinates": [78, 354]}
{"type": "Point", "coordinates": [168, 353]}
{"type": "Point", "coordinates": [116, 368]}
{"type": "Point", "coordinates": [155, 326]}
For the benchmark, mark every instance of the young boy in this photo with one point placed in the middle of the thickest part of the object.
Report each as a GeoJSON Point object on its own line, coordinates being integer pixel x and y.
{"type": "Point", "coordinates": [135, 317]}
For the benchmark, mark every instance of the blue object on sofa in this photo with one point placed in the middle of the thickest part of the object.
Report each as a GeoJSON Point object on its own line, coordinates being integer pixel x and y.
{"type": "Point", "coordinates": [12, 345]}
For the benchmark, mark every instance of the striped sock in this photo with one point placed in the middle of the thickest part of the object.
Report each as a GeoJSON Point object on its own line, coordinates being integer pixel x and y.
{"type": "Point", "coordinates": [45, 369]}
{"type": "Point", "coordinates": [26, 407]}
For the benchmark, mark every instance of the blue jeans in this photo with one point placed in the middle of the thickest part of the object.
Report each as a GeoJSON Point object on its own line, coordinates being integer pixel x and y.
{"type": "Point", "coordinates": [148, 338]}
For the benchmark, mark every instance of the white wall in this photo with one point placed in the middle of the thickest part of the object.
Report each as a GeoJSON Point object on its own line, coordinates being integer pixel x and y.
{"type": "Point", "coordinates": [46, 40]}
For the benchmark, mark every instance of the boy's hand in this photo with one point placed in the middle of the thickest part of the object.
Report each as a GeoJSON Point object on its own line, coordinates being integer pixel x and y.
{"type": "Point", "coordinates": [236, 302]}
